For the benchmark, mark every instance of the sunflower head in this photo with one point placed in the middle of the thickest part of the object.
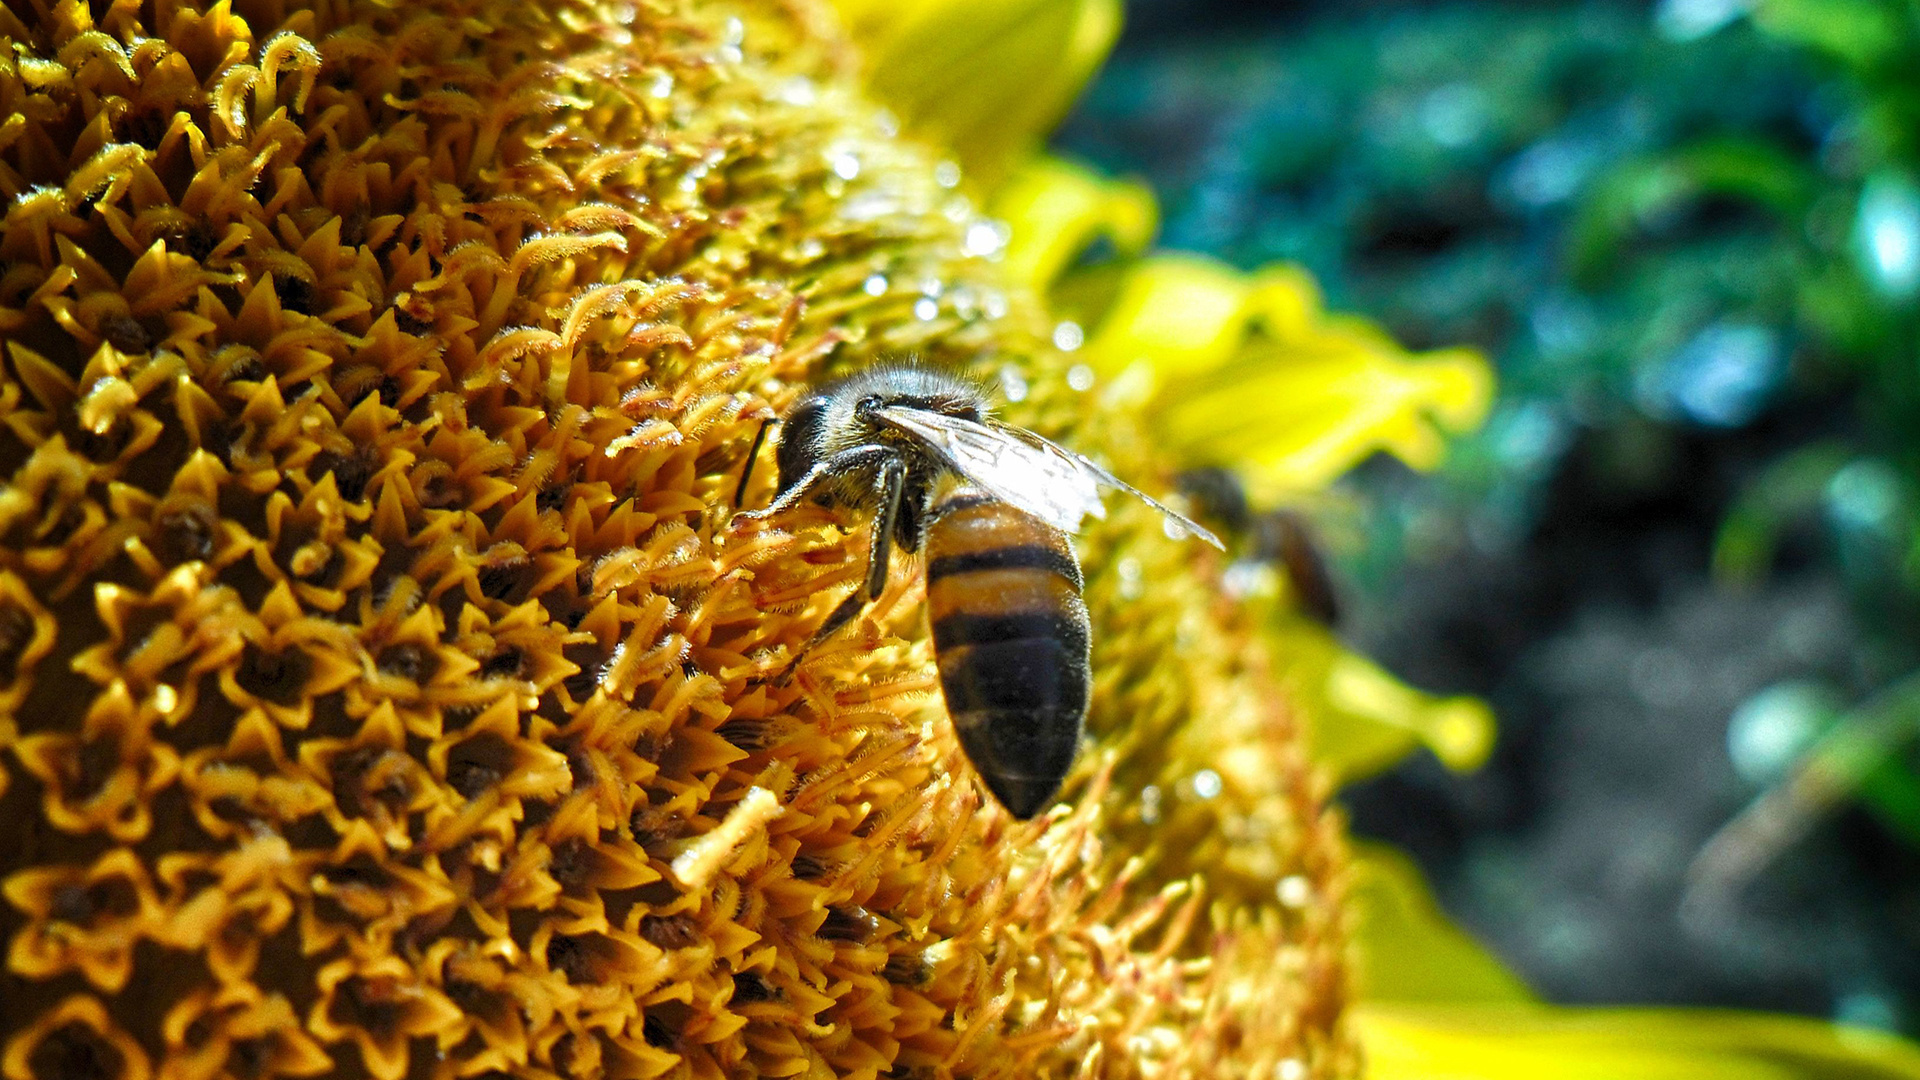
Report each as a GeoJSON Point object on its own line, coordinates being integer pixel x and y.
{"type": "Point", "coordinates": [385, 685]}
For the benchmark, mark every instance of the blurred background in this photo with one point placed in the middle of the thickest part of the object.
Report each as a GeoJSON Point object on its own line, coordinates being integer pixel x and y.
{"type": "Point", "coordinates": [1682, 561]}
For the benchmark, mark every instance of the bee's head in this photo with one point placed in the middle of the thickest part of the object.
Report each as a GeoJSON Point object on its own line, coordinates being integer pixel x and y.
{"type": "Point", "coordinates": [842, 415]}
{"type": "Point", "coordinates": [915, 387]}
{"type": "Point", "coordinates": [856, 400]}
{"type": "Point", "coordinates": [967, 406]}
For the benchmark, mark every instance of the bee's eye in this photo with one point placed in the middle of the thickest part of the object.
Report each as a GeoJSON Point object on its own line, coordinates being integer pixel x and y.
{"type": "Point", "coordinates": [866, 406]}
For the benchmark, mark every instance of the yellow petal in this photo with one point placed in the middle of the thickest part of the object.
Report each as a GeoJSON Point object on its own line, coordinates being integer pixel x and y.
{"type": "Point", "coordinates": [1295, 415]}
{"type": "Point", "coordinates": [1253, 373]}
{"type": "Point", "coordinates": [1407, 949]}
{"type": "Point", "coordinates": [1056, 209]}
{"type": "Point", "coordinates": [1437, 1006]}
{"type": "Point", "coordinates": [1176, 313]}
{"type": "Point", "coordinates": [988, 78]}
{"type": "Point", "coordinates": [1459, 730]}
{"type": "Point", "coordinates": [1365, 720]}
{"type": "Point", "coordinates": [1539, 1042]}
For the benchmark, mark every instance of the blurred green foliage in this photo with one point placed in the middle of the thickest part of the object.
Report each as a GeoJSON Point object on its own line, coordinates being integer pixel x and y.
{"type": "Point", "coordinates": [1848, 221]}
{"type": "Point", "coordinates": [1692, 222]}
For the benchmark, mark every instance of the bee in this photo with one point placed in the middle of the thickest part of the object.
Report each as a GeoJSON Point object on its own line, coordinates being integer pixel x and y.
{"type": "Point", "coordinates": [1277, 538]}
{"type": "Point", "coordinates": [990, 507]}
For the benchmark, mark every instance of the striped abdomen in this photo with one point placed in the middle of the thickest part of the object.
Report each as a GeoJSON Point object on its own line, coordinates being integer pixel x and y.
{"type": "Point", "coordinates": [1010, 633]}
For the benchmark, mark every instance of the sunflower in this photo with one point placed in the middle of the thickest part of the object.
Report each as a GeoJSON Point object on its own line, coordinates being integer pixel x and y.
{"type": "Point", "coordinates": [387, 687]}
{"type": "Point", "coordinates": [390, 687]}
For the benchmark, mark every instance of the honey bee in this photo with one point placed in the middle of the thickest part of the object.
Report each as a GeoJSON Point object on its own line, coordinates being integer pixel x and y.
{"type": "Point", "coordinates": [990, 506]}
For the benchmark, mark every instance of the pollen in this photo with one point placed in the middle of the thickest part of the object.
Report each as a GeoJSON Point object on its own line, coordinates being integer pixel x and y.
{"type": "Point", "coordinates": [386, 689]}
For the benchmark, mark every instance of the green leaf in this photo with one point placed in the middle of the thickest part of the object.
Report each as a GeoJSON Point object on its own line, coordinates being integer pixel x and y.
{"type": "Point", "coordinates": [1891, 793]}
{"type": "Point", "coordinates": [1645, 189]}
{"type": "Point", "coordinates": [1787, 490]}
{"type": "Point", "coordinates": [1860, 33]}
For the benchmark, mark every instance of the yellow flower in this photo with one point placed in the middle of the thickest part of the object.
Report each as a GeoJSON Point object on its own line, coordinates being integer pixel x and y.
{"type": "Point", "coordinates": [391, 687]}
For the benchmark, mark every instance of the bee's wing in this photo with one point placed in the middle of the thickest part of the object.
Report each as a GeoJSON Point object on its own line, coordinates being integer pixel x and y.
{"type": "Point", "coordinates": [1016, 466]}
{"type": "Point", "coordinates": [1037, 477]}
{"type": "Point", "coordinates": [1185, 525]}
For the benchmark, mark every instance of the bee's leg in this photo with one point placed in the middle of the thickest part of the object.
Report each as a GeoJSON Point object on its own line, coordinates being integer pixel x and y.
{"type": "Point", "coordinates": [892, 483]}
{"type": "Point", "coordinates": [850, 460]}
{"type": "Point", "coordinates": [753, 455]}
{"type": "Point", "coordinates": [892, 480]}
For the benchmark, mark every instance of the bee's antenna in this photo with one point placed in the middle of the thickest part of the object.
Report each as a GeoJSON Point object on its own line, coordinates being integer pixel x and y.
{"type": "Point", "coordinates": [753, 455]}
